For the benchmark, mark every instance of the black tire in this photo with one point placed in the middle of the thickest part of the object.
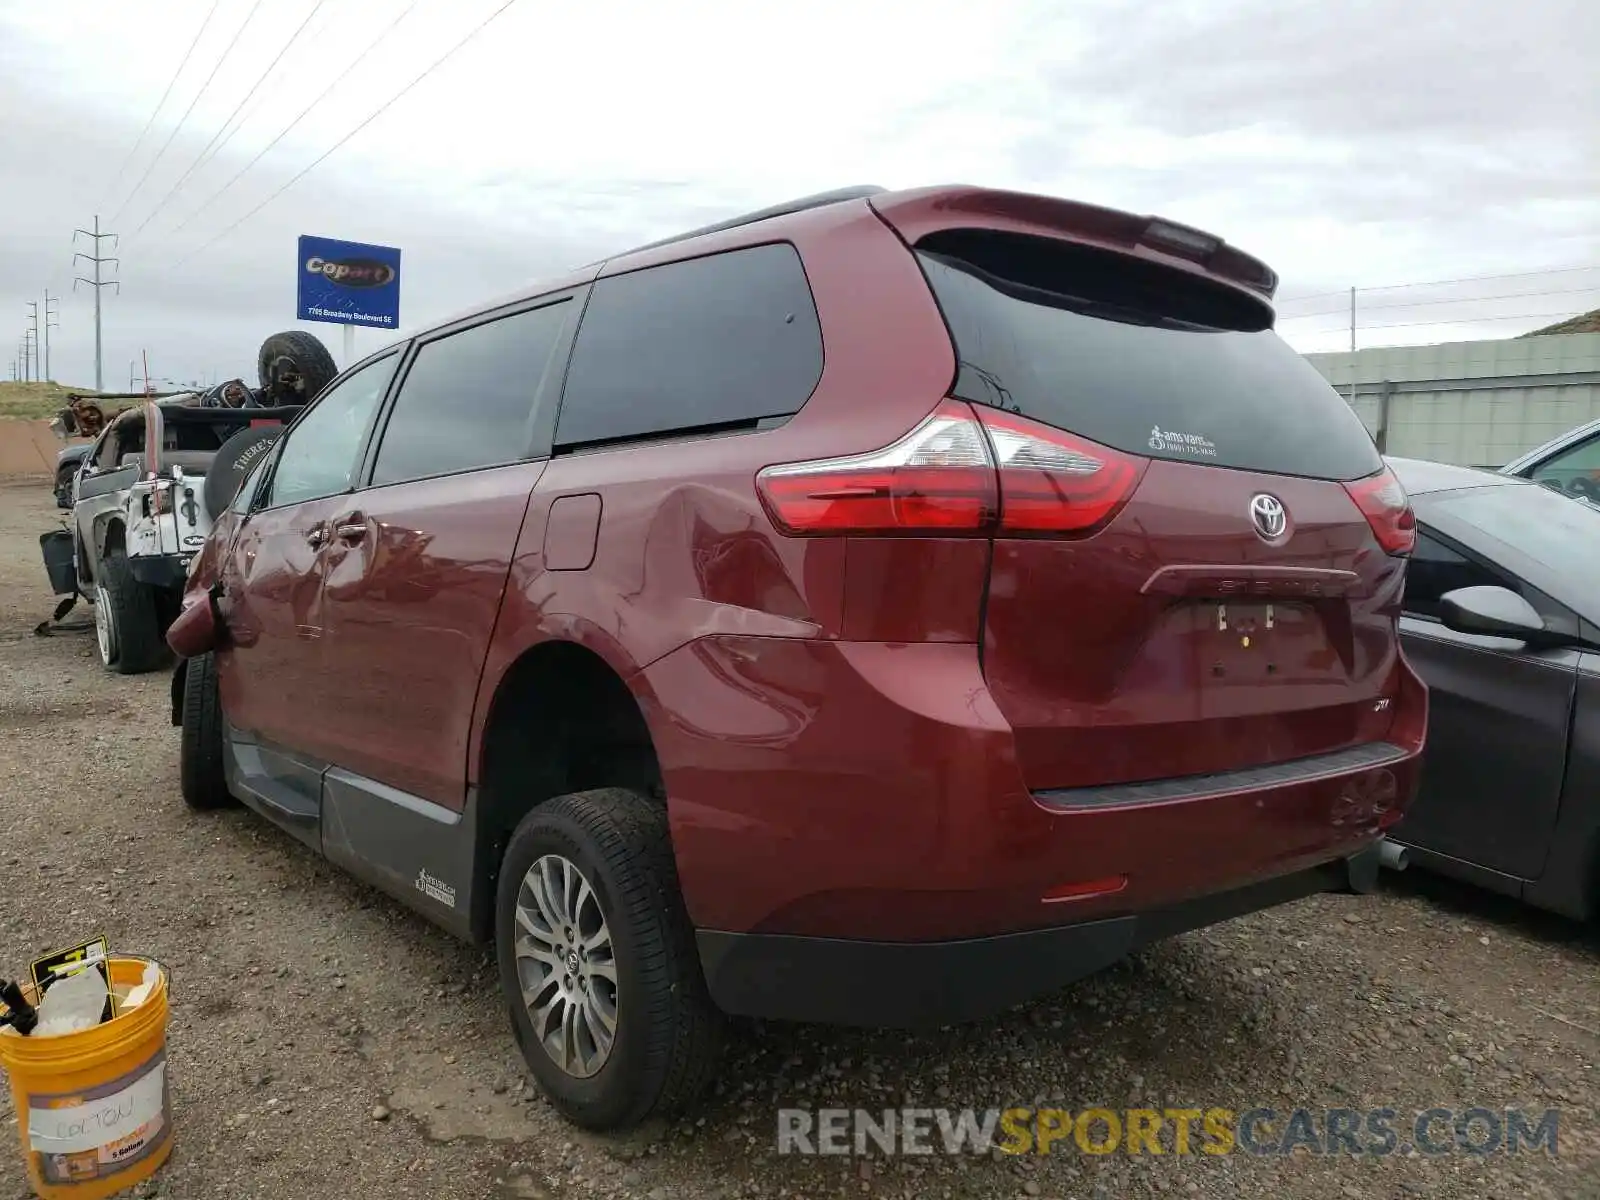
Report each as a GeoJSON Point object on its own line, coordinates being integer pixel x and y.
{"type": "Point", "coordinates": [133, 615]}
{"type": "Point", "coordinates": [668, 1034]}
{"type": "Point", "coordinates": [293, 366]}
{"type": "Point", "coordinates": [201, 775]}
{"type": "Point", "coordinates": [64, 479]}
{"type": "Point", "coordinates": [235, 457]}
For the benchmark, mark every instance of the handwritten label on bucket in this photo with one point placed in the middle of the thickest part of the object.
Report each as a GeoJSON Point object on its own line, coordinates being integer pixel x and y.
{"type": "Point", "coordinates": [94, 1135]}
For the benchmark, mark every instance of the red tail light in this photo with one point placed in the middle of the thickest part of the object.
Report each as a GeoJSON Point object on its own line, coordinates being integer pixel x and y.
{"type": "Point", "coordinates": [957, 473]}
{"type": "Point", "coordinates": [1383, 501]}
{"type": "Point", "coordinates": [939, 477]}
{"type": "Point", "coordinates": [1053, 482]}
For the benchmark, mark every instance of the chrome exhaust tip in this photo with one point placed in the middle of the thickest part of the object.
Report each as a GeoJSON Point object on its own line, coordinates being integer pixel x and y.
{"type": "Point", "coordinates": [1392, 855]}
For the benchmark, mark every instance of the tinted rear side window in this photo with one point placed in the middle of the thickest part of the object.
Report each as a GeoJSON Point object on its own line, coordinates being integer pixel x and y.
{"type": "Point", "coordinates": [467, 401]}
{"type": "Point", "coordinates": [712, 343]}
{"type": "Point", "coordinates": [1137, 357]}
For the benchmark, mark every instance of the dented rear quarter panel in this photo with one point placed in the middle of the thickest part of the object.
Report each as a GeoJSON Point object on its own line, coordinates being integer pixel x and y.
{"type": "Point", "coordinates": [685, 549]}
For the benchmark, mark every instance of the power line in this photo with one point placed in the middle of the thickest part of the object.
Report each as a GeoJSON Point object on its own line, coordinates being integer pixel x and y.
{"type": "Point", "coordinates": [217, 66]}
{"type": "Point", "coordinates": [244, 117]}
{"type": "Point", "coordinates": [1456, 321]}
{"type": "Point", "coordinates": [139, 141]}
{"type": "Point", "coordinates": [1344, 311]}
{"type": "Point", "coordinates": [207, 153]}
{"type": "Point", "coordinates": [265, 150]}
{"type": "Point", "coordinates": [1390, 287]}
{"type": "Point", "coordinates": [330, 150]}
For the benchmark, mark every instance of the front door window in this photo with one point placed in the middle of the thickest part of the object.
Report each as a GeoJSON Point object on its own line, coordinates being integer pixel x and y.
{"type": "Point", "coordinates": [318, 456]}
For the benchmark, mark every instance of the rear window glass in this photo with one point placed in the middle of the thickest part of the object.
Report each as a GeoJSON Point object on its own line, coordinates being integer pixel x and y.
{"type": "Point", "coordinates": [715, 343]}
{"type": "Point", "coordinates": [1137, 357]}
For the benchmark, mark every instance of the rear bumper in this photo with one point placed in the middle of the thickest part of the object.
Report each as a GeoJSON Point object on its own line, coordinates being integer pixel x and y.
{"type": "Point", "coordinates": [872, 792]}
{"type": "Point", "coordinates": [917, 984]}
{"type": "Point", "coordinates": [164, 571]}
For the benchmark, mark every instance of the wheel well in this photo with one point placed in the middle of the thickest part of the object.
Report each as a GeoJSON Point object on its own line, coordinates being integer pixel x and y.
{"type": "Point", "coordinates": [562, 721]}
{"type": "Point", "coordinates": [112, 535]}
{"type": "Point", "coordinates": [116, 538]}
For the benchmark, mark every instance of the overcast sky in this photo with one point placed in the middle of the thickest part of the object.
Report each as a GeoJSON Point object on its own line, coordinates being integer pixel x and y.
{"type": "Point", "coordinates": [1365, 142]}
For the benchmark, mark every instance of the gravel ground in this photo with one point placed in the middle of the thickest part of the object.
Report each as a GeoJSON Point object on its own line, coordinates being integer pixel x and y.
{"type": "Point", "coordinates": [325, 1041]}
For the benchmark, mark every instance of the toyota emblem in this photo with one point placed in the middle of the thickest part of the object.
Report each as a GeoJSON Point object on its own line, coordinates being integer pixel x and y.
{"type": "Point", "coordinates": [1269, 517]}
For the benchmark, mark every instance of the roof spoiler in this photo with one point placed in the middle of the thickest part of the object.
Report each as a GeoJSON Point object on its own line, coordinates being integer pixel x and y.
{"type": "Point", "coordinates": [928, 210]}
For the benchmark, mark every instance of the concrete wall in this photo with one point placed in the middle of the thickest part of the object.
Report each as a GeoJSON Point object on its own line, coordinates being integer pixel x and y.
{"type": "Point", "coordinates": [1471, 403]}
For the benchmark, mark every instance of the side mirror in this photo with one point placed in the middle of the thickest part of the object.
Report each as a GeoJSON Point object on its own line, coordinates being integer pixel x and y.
{"type": "Point", "coordinates": [197, 627]}
{"type": "Point", "coordinates": [1494, 611]}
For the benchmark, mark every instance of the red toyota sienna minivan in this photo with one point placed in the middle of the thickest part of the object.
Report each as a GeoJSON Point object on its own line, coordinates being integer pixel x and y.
{"type": "Point", "coordinates": [882, 608]}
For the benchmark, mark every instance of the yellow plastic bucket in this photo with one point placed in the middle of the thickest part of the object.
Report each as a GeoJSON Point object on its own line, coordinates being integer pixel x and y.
{"type": "Point", "coordinates": [93, 1106]}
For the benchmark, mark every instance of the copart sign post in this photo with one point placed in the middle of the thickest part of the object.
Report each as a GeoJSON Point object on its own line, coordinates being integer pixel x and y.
{"type": "Point", "coordinates": [349, 284]}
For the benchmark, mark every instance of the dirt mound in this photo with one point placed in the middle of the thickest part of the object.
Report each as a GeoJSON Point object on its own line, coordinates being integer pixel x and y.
{"type": "Point", "coordinates": [28, 447]}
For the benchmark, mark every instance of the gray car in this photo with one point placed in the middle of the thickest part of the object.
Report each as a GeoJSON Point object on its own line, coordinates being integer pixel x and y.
{"type": "Point", "coordinates": [1569, 463]}
{"type": "Point", "coordinates": [1502, 620]}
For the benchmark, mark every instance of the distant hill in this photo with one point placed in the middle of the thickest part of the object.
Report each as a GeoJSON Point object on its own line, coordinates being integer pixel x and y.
{"type": "Point", "coordinates": [1588, 322]}
{"type": "Point", "coordinates": [31, 400]}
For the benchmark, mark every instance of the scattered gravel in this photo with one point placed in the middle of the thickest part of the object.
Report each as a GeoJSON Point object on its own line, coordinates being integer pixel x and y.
{"type": "Point", "coordinates": [325, 1041]}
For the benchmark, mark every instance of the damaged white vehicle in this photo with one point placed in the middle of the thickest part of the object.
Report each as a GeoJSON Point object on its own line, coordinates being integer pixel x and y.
{"type": "Point", "coordinates": [147, 492]}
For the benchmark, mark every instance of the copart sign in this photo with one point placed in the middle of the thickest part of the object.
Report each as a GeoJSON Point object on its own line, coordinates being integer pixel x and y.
{"type": "Point", "coordinates": [348, 283]}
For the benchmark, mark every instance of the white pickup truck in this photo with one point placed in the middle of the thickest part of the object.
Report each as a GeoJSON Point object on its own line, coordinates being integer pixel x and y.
{"type": "Point", "coordinates": [143, 502]}
{"type": "Point", "coordinates": [147, 491]}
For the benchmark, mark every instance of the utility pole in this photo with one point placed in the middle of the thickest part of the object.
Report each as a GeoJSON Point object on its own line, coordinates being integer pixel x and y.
{"type": "Point", "coordinates": [1352, 347]}
{"type": "Point", "coordinates": [50, 322]}
{"type": "Point", "coordinates": [33, 328]}
{"type": "Point", "coordinates": [97, 283]}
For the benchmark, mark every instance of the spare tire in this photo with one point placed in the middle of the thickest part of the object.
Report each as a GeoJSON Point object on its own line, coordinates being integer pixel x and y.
{"type": "Point", "coordinates": [294, 366]}
{"type": "Point", "coordinates": [233, 462]}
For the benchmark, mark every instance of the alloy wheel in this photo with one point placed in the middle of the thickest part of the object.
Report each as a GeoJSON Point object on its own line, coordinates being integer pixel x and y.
{"type": "Point", "coordinates": [105, 634]}
{"type": "Point", "coordinates": [566, 966]}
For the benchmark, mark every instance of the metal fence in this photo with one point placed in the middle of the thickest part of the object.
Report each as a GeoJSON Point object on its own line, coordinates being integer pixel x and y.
{"type": "Point", "coordinates": [1475, 404]}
